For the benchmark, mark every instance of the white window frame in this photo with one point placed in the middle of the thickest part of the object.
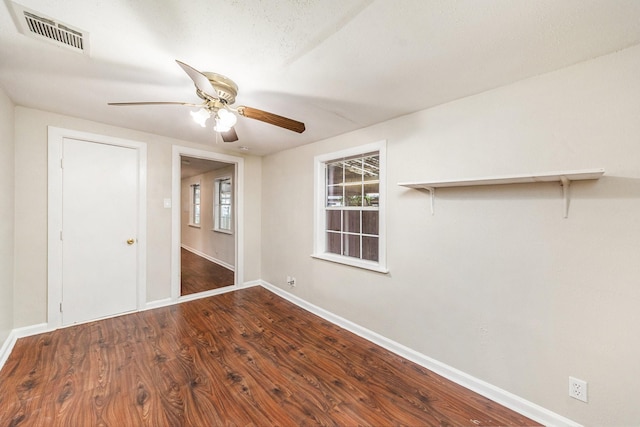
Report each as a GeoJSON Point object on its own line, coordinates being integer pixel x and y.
{"type": "Point", "coordinates": [192, 205]}
{"type": "Point", "coordinates": [216, 205]}
{"type": "Point", "coordinates": [320, 219]}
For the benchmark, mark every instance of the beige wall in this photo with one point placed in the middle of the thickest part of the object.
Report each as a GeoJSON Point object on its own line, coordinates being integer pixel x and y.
{"type": "Point", "coordinates": [220, 246]}
{"type": "Point", "coordinates": [6, 215]}
{"type": "Point", "coordinates": [497, 283]}
{"type": "Point", "coordinates": [30, 293]}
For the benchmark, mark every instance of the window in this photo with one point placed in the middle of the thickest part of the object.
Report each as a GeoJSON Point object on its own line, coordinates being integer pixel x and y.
{"type": "Point", "coordinates": [194, 217]}
{"type": "Point", "coordinates": [350, 207]}
{"type": "Point", "coordinates": [222, 210]}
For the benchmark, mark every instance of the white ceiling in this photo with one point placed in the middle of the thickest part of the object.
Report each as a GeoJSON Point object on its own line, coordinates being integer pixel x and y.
{"type": "Point", "coordinates": [336, 65]}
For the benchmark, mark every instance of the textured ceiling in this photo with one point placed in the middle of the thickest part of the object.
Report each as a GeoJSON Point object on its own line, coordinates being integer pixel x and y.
{"type": "Point", "coordinates": [337, 65]}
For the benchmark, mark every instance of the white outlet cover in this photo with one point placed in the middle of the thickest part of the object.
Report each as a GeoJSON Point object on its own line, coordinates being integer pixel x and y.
{"type": "Point", "coordinates": [578, 389]}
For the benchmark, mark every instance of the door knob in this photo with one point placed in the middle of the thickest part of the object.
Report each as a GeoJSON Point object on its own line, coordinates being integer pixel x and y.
{"type": "Point", "coordinates": [130, 241]}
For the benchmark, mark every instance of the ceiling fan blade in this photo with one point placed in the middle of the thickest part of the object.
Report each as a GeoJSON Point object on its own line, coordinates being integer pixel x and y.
{"type": "Point", "coordinates": [188, 104]}
{"type": "Point", "coordinates": [229, 136]}
{"type": "Point", "coordinates": [200, 80]}
{"type": "Point", "coordinates": [273, 119]}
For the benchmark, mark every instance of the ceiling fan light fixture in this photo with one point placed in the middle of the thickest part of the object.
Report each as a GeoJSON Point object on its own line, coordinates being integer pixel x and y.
{"type": "Point", "coordinates": [225, 120]}
{"type": "Point", "coordinates": [201, 116]}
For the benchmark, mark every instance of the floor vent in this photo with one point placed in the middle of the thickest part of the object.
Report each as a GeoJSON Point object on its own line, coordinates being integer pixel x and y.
{"type": "Point", "coordinates": [38, 25]}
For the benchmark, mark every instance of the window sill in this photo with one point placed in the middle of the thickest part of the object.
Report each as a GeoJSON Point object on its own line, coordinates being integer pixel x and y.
{"type": "Point", "coordinates": [221, 231]}
{"type": "Point", "coordinates": [194, 225]}
{"type": "Point", "coordinates": [352, 262]}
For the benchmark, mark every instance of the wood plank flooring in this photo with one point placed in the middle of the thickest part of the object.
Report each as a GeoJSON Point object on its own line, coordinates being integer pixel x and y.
{"type": "Point", "coordinates": [199, 274]}
{"type": "Point", "coordinates": [246, 357]}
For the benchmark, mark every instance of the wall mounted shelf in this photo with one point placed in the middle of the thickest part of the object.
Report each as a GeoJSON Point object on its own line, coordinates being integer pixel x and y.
{"type": "Point", "coordinates": [564, 177]}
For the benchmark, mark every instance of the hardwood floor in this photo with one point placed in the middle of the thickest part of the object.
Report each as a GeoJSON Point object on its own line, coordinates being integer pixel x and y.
{"type": "Point", "coordinates": [199, 274]}
{"type": "Point", "coordinates": [246, 357]}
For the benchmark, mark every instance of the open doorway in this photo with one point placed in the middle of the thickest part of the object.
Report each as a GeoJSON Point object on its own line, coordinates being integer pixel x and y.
{"type": "Point", "coordinates": [207, 242]}
{"type": "Point", "coordinates": [207, 222]}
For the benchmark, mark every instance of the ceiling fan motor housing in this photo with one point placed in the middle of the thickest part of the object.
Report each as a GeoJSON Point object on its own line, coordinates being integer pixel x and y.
{"type": "Point", "coordinates": [225, 87]}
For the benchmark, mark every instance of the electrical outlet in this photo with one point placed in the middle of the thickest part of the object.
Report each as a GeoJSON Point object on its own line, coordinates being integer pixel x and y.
{"type": "Point", "coordinates": [291, 281]}
{"type": "Point", "coordinates": [578, 389]}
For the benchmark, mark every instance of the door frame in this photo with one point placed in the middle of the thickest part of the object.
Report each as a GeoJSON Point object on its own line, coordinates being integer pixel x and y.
{"type": "Point", "coordinates": [238, 162]}
{"type": "Point", "coordinates": [56, 137]}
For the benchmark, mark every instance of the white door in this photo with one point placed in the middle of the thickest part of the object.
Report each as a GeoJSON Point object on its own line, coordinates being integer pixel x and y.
{"type": "Point", "coordinates": [99, 230]}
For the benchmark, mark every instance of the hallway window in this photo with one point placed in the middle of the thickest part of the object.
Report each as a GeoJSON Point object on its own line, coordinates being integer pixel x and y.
{"type": "Point", "coordinates": [350, 207]}
{"type": "Point", "coordinates": [222, 212]}
{"type": "Point", "coordinates": [195, 205]}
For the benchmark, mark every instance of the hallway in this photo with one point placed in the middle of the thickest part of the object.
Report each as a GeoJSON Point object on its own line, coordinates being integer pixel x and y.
{"type": "Point", "coordinates": [199, 274]}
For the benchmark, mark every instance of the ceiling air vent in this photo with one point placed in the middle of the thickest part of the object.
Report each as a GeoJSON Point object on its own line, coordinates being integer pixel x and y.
{"type": "Point", "coordinates": [39, 26]}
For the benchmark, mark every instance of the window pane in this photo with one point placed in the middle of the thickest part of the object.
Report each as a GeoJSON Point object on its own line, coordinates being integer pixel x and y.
{"type": "Point", "coordinates": [351, 222]}
{"type": "Point", "coordinates": [333, 243]}
{"type": "Point", "coordinates": [372, 194]}
{"type": "Point", "coordinates": [334, 196]}
{"type": "Point", "coordinates": [353, 170]}
{"type": "Point", "coordinates": [334, 173]}
{"type": "Point", "coordinates": [333, 220]}
{"type": "Point", "coordinates": [225, 211]}
{"type": "Point", "coordinates": [351, 245]}
{"type": "Point", "coordinates": [370, 248]}
{"type": "Point", "coordinates": [225, 218]}
{"type": "Point", "coordinates": [371, 168]}
{"type": "Point", "coordinates": [195, 204]}
{"type": "Point", "coordinates": [353, 195]}
{"type": "Point", "coordinates": [370, 222]}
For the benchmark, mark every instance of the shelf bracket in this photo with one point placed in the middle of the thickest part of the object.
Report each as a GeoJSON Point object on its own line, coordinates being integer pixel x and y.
{"type": "Point", "coordinates": [565, 194]}
{"type": "Point", "coordinates": [432, 194]}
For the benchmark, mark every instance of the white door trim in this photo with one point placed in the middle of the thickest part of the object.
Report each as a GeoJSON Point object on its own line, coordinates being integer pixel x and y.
{"type": "Point", "coordinates": [54, 220]}
{"type": "Point", "coordinates": [176, 208]}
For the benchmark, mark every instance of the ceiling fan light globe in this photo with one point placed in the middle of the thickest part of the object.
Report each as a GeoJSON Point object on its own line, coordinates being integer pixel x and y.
{"type": "Point", "coordinates": [226, 119]}
{"type": "Point", "coordinates": [201, 116]}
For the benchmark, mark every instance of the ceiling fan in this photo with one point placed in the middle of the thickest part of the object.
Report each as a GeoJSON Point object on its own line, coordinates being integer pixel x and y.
{"type": "Point", "coordinates": [219, 94]}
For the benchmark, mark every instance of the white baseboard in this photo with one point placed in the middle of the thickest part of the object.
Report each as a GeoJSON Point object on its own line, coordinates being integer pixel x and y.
{"type": "Point", "coordinates": [10, 342]}
{"type": "Point", "coordinates": [168, 301]}
{"type": "Point", "coordinates": [206, 294]}
{"type": "Point", "coordinates": [210, 258]}
{"type": "Point", "coordinates": [27, 331]}
{"type": "Point", "coordinates": [503, 397]}
{"type": "Point", "coordinates": [6, 348]}
{"type": "Point", "coordinates": [157, 304]}
{"type": "Point", "coordinates": [250, 284]}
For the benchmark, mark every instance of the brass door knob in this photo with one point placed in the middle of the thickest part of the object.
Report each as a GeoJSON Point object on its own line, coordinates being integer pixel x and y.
{"type": "Point", "coordinates": [130, 241]}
